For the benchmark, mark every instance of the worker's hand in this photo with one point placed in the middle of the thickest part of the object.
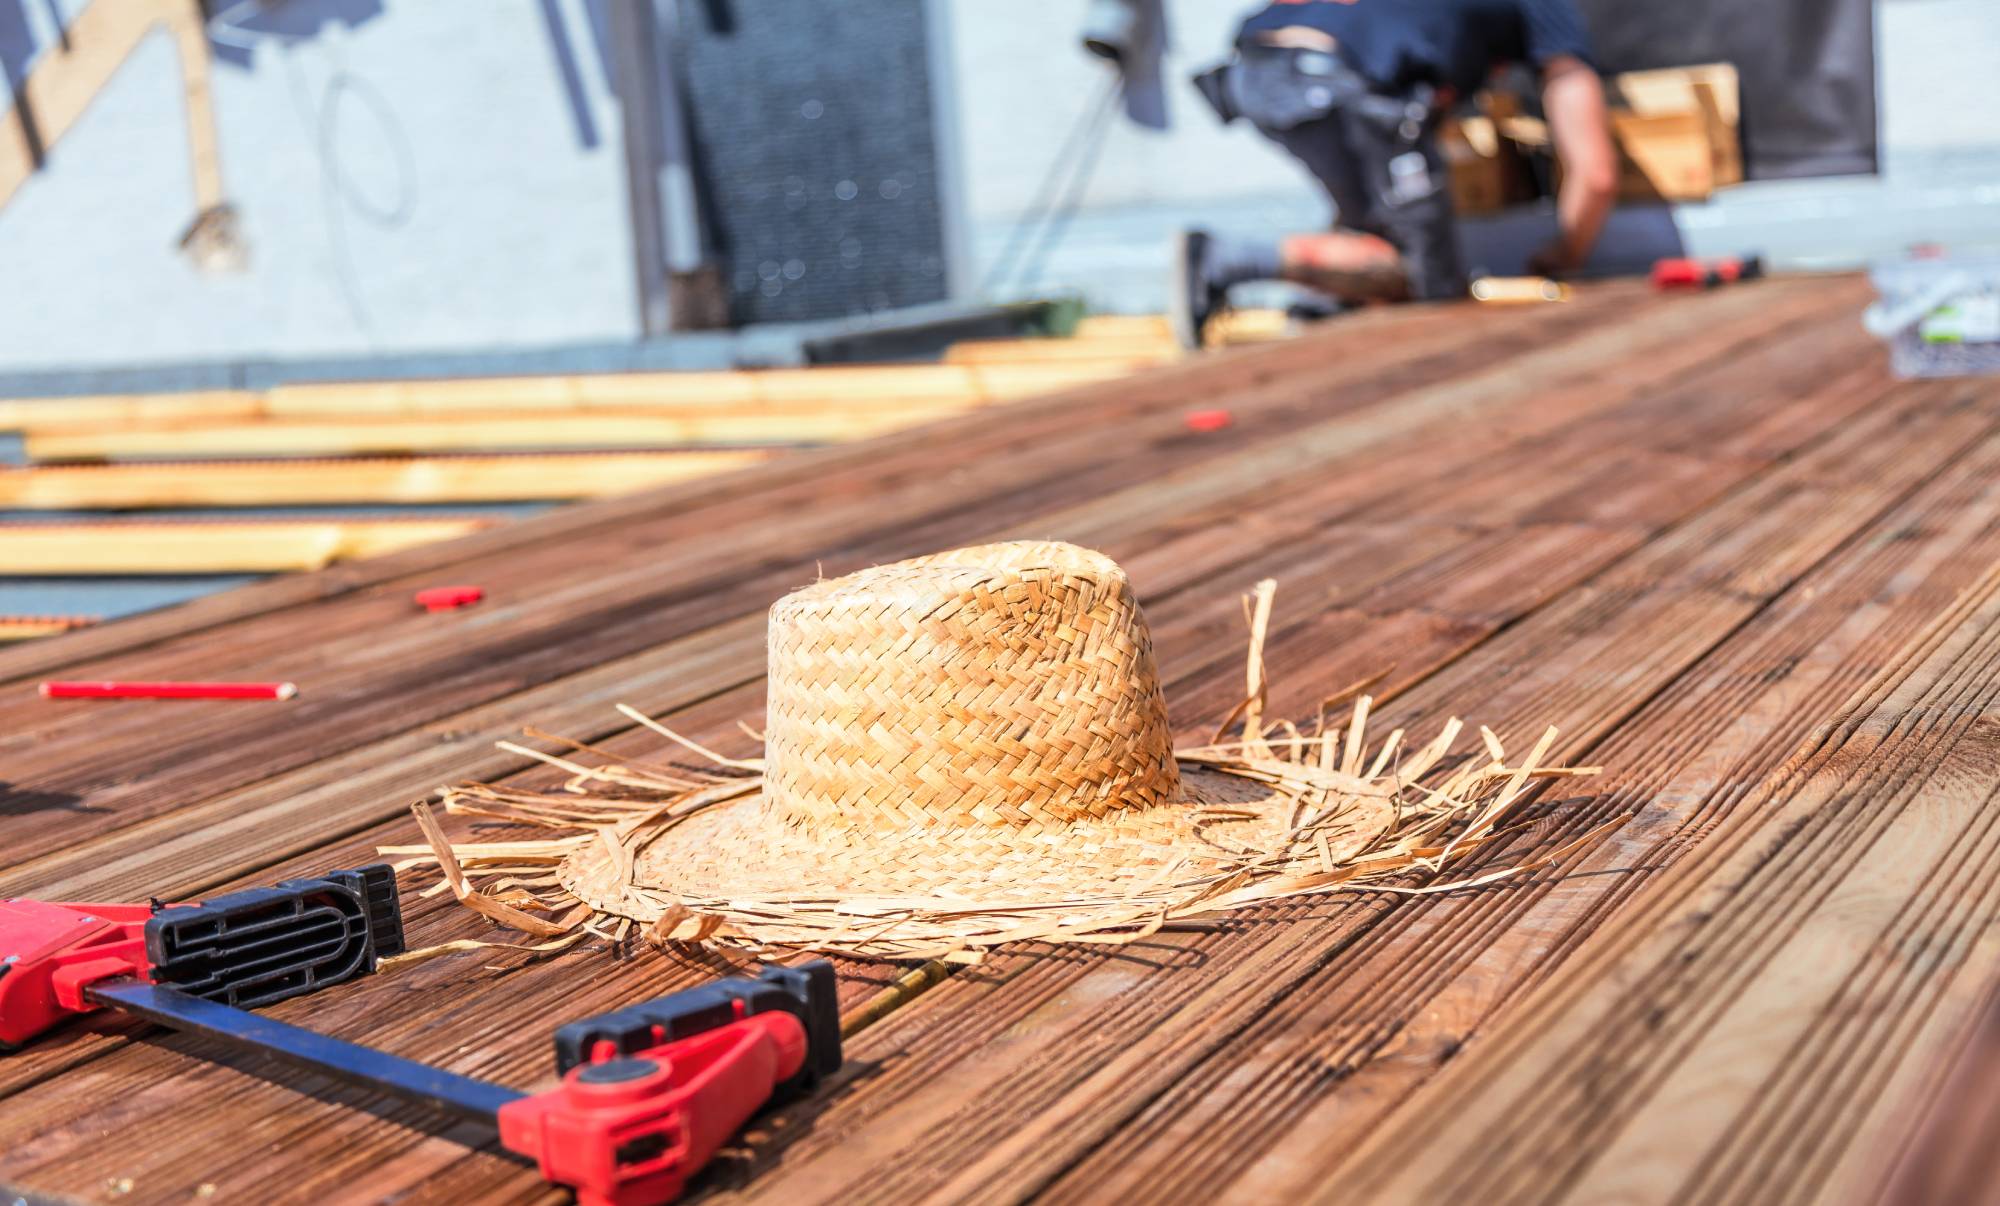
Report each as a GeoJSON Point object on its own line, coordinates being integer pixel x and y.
{"type": "Point", "coordinates": [1573, 99]}
{"type": "Point", "coordinates": [1554, 259]}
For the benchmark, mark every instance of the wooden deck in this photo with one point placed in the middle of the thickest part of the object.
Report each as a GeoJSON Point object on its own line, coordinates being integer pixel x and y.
{"type": "Point", "coordinates": [1706, 535]}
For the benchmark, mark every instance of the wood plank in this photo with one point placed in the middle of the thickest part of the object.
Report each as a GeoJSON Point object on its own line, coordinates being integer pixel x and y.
{"type": "Point", "coordinates": [321, 1138]}
{"type": "Point", "coordinates": [66, 78]}
{"type": "Point", "coordinates": [829, 386]}
{"type": "Point", "coordinates": [1140, 350]}
{"type": "Point", "coordinates": [1224, 329]}
{"type": "Point", "coordinates": [416, 480]}
{"type": "Point", "coordinates": [212, 547]}
{"type": "Point", "coordinates": [1364, 343]}
{"type": "Point", "coordinates": [1759, 1000]}
{"type": "Point", "coordinates": [1426, 986]}
{"type": "Point", "coordinates": [1778, 525]}
{"type": "Point", "coordinates": [665, 593]}
{"type": "Point", "coordinates": [1033, 425]}
{"type": "Point", "coordinates": [1623, 646]}
{"type": "Point", "coordinates": [190, 775]}
{"type": "Point", "coordinates": [1951, 1156]}
{"type": "Point", "coordinates": [113, 409]}
{"type": "Point", "coordinates": [489, 432]}
{"type": "Point", "coordinates": [28, 628]}
{"type": "Point", "coordinates": [371, 625]}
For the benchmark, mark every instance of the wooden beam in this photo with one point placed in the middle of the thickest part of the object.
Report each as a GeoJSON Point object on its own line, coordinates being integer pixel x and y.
{"type": "Point", "coordinates": [28, 628]}
{"type": "Point", "coordinates": [28, 414]}
{"type": "Point", "coordinates": [1125, 326]}
{"type": "Point", "coordinates": [1228, 327]}
{"type": "Point", "coordinates": [190, 31]}
{"type": "Point", "coordinates": [457, 479]}
{"type": "Point", "coordinates": [826, 387]}
{"type": "Point", "coordinates": [65, 78]}
{"type": "Point", "coordinates": [493, 432]}
{"type": "Point", "coordinates": [232, 547]}
{"type": "Point", "coordinates": [829, 386]}
{"type": "Point", "coordinates": [1142, 349]}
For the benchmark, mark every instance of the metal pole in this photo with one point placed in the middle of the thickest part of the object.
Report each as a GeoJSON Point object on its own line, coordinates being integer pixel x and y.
{"type": "Point", "coordinates": [697, 298]}
{"type": "Point", "coordinates": [635, 51]}
{"type": "Point", "coordinates": [350, 1063]}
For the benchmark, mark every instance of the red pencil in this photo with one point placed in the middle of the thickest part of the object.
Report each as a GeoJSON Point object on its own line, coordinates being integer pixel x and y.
{"type": "Point", "coordinates": [118, 690]}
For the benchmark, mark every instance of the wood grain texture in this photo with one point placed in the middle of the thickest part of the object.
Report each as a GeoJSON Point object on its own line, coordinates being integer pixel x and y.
{"type": "Point", "coordinates": [1363, 342]}
{"type": "Point", "coordinates": [1707, 536]}
{"type": "Point", "coordinates": [497, 431]}
{"type": "Point", "coordinates": [528, 632]}
{"type": "Point", "coordinates": [416, 480]}
{"type": "Point", "coordinates": [212, 547]}
{"type": "Point", "coordinates": [826, 387]}
{"type": "Point", "coordinates": [28, 628]}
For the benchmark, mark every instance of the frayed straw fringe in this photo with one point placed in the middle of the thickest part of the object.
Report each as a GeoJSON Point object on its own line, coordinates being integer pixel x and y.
{"type": "Point", "coordinates": [1432, 818]}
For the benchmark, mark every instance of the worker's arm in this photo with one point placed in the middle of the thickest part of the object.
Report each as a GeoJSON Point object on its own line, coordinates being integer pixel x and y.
{"type": "Point", "coordinates": [1580, 127]}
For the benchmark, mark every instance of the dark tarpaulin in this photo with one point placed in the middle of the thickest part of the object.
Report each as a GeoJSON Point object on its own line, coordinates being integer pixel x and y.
{"type": "Point", "coordinates": [1807, 68]}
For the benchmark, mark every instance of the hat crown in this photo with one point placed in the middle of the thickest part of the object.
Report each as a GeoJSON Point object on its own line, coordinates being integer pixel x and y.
{"type": "Point", "coordinates": [1003, 686]}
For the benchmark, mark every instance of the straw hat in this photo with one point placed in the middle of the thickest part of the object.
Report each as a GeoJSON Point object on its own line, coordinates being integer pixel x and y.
{"type": "Point", "coordinates": [972, 748]}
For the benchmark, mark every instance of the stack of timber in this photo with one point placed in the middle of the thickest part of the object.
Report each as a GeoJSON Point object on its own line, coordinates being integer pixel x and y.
{"type": "Point", "coordinates": [436, 443]}
{"type": "Point", "coordinates": [26, 628]}
{"type": "Point", "coordinates": [1739, 565]}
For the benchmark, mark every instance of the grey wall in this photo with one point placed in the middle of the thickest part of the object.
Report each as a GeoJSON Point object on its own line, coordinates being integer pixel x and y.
{"type": "Point", "coordinates": [411, 175]}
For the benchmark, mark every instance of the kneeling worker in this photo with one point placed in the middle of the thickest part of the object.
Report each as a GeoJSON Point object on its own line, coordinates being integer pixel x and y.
{"type": "Point", "coordinates": [1355, 90]}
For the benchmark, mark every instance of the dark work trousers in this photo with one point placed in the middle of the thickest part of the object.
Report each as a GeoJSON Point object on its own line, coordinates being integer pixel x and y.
{"type": "Point", "coordinates": [1386, 184]}
{"type": "Point", "coordinates": [1374, 150]}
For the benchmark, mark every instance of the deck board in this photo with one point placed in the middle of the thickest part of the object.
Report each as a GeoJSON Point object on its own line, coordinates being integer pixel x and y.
{"type": "Point", "coordinates": [1707, 536]}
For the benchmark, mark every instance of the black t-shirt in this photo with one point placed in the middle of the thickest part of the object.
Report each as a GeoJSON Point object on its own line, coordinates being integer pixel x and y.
{"type": "Point", "coordinates": [1454, 43]}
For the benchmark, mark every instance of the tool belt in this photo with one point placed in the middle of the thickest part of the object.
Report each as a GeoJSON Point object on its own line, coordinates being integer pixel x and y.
{"type": "Point", "coordinates": [1281, 87]}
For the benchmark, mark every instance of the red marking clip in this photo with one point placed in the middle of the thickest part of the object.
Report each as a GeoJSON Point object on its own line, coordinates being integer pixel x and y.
{"type": "Point", "coordinates": [124, 690]}
{"type": "Point", "coordinates": [449, 598]}
{"type": "Point", "coordinates": [1208, 420]}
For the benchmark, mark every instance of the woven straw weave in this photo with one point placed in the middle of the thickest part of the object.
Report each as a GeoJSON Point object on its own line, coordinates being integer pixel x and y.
{"type": "Point", "coordinates": [1006, 685]}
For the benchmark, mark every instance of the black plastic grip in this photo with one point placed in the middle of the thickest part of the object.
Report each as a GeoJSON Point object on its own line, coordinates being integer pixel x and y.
{"type": "Point", "coordinates": [809, 992]}
{"type": "Point", "coordinates": [254, 947]}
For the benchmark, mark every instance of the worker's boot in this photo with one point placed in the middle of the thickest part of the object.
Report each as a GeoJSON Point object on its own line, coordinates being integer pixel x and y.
{"type": "Point", "coordinates": [1195, 292]}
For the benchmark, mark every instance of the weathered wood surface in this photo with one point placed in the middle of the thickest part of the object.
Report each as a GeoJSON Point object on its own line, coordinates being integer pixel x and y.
{"type": "Point", "coordinates": [732, 391]}
{"type": "Point", "coordinates": [438, 479]}
{"type": "Point", "coordinates": [1707, 536]}
{"type": "Point", "coordinates": [222, 546]}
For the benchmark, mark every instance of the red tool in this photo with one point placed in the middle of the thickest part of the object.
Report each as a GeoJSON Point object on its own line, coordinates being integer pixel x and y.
{"type": "Point", "coordinates": [245, 948]}
{"type": "Point", "coordinates": [449, 598]}
{"type": "Point", "coordinates": [1208, 420]}
{"type": "Point", "coordinates": [648, 1094]}
{"type": "Point", "coordinates": [1705, 274]}
{"type": "Point", "coordinates": [123, 690]}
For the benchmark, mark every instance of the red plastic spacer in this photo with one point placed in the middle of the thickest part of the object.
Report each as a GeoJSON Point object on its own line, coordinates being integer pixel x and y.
{"type": "Point", "coordinates": [449, 598]}
{"type": "Point", "coordinates": [1208, 420]}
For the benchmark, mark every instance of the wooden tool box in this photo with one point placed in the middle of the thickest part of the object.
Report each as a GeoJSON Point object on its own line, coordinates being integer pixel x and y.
{"type": "Point", "coordinates": [1676, 131]}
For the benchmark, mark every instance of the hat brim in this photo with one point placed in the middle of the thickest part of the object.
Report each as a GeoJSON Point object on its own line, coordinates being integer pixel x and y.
{"type": "Point", "coordinates": [733, 869]}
